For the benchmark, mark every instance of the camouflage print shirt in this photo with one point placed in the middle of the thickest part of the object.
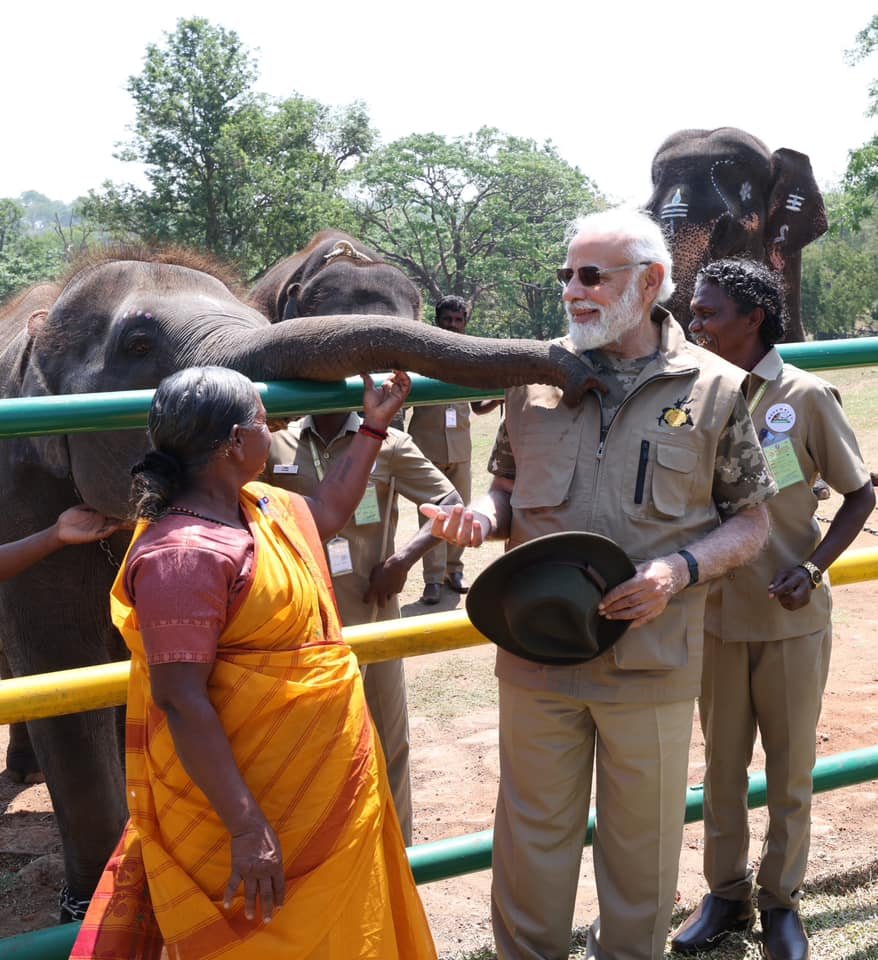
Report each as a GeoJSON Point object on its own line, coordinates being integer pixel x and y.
{"type": "Point", "coordinates": [740, 477]}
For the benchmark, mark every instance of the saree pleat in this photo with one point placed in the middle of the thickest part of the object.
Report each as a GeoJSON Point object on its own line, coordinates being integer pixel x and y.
{"type": "Point", "coordinates": [290, 698]}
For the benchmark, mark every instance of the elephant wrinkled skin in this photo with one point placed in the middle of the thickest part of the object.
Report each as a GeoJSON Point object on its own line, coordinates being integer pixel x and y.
{"type": "Point", "coordinates": [123, 323]}
{"type": "Point", "coordinates": [722, 193]}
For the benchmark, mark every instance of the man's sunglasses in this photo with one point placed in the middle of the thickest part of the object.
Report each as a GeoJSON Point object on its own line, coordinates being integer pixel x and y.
{"type": "Point", "coordinates": [592, 276]}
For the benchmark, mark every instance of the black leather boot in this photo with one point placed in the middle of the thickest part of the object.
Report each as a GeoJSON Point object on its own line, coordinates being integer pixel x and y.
{"type": "Point", "coordinates": [783, 936]}
{"type": "Point", "coordinates": [713, 919]}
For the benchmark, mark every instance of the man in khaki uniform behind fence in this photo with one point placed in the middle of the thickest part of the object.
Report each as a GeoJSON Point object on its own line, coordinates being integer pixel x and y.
{"type": "Point", "coordinates": [367, 569]}
{"type": "Point", "coordinates": [442, 432]}
{"type": "Point", "coordinates": [662, 458]}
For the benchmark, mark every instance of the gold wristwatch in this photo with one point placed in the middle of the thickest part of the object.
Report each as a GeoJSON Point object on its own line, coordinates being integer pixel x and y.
{"type": "Point", "coordinates": [815, 574]}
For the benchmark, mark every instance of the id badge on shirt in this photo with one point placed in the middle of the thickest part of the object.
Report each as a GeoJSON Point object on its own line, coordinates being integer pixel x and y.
{"type": "Point", "coordinates": [782, 460]}
{"type": "Point", "coordinates": [338, 553]}
{"type": "Point", "coordinates": [450, 418]}
{"type": "Point", "coordinates": [367, 510]}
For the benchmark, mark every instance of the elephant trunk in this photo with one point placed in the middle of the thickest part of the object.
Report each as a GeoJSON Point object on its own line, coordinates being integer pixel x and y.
{"type": "Point", "coordinates": [332, 348]}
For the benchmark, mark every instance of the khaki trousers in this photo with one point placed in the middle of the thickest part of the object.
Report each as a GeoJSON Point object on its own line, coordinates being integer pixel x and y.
{"type": "Point", "coordinates": [777, 687]}
{"type": "Point", "coordinates": [446, 558]}
{"type": "Point", "coordinates": [384, 683]}
{"type": "Point", "coordinates": [548, 746]}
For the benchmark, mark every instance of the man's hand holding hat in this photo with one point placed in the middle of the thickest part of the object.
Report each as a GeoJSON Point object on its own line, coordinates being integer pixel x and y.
{"type": "Point", "coordinates": [647, 593]}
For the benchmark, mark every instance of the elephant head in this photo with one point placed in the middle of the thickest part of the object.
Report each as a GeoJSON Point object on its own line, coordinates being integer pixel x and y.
{"type": "Point", "coordinates": [123, 324]}
{"type": "Point", "coordinates": [335, 274]}
{"type": "Point", "coordinates": [722, 193]}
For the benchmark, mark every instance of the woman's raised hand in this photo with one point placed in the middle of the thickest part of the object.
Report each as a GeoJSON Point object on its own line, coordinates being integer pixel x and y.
{"type": "Point", "coordinates": [380, 404]}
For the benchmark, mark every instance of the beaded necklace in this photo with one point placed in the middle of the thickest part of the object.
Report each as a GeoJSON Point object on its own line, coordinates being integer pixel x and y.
{"type": "Point", "coordinates": [201, 516]}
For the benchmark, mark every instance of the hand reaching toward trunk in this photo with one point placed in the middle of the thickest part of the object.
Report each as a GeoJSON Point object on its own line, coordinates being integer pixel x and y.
{"type": "Point", "coordinates": [380, 404]}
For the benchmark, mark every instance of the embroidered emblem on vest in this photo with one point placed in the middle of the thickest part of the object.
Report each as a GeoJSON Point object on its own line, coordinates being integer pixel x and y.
{"type": "Point", "coordinates": [679, 415]}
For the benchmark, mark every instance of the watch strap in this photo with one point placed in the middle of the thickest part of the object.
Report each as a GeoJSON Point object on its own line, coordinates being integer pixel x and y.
{"type": "Point", "coordinates": [815, 574]}
{"type": "Point", "coordinates": [692, 564]}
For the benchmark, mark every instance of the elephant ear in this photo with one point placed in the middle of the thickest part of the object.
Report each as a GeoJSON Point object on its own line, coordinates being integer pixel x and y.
{"type": "Point", "coordinates": [287, 306]}
{"type": "Point", "coordinates": [795, 213]}
{"type": "Point", "coordinates": [35, 322]}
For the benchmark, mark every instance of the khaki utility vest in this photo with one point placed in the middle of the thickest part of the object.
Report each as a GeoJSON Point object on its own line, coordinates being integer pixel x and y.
{"type": "Point", "coordinates": [646, 482]}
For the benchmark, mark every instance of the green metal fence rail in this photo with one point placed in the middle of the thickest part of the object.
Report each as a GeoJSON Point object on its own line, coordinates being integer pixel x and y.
{"type": "Point", "coordinates": [127, 410]}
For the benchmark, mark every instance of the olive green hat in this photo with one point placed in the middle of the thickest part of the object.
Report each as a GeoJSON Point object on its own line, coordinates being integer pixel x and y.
{"type": "Point", "coordinates": [539, 600]}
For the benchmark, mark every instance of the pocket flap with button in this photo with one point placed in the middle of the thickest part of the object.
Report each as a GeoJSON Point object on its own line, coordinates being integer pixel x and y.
{"type": "Point", "coordinates": [672, 478]}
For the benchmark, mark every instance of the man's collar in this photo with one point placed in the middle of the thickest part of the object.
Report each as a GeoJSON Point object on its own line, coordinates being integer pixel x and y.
{"type": "Point", "coordinates": [351, 425]}
{"type": "Point", "coordinates": [770, 366]}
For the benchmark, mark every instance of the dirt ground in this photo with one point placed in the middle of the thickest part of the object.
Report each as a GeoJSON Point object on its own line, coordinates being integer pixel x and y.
{"type": "Point", "coordinates": [452, 702]}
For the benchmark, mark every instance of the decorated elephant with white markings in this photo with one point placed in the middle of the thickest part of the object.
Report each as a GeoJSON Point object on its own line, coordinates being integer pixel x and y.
{"type": "Point", "coordinates": [723, 193]}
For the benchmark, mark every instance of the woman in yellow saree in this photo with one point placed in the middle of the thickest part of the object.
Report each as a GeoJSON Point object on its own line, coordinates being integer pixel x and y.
{"type": "Point", "coordinates": [261, 821]}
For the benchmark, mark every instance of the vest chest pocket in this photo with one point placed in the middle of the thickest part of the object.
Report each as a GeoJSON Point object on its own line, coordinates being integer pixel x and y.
{"type": "Point", "coordinates": [659, 477]}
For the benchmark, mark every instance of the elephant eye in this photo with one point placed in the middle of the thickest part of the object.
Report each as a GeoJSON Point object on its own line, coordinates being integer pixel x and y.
{"type": "Point", "coordinates": [138, 345]}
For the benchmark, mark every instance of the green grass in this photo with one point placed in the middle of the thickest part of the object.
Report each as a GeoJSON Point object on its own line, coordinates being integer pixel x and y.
{"type": "Point", "coordinates": [474, 687]}
{"type": "Point", "coordinates": [859, 390]}
{"type": "Point", "coordinates": [840, 913]}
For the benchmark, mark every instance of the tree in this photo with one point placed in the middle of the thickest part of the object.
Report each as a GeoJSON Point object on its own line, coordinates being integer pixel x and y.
{"type": "Point", "coordinates": [238, 174]}
{"type": "Point", "coordinates": [11, 215]}
{"type": "Point", "coordinates": [481, 216]}
{"type": "Point", "coordinates": [840, 275]}
{"type": "Point", "coordinates": [861, 177]}
{"type": "Point", "coordinates": [38, 238]}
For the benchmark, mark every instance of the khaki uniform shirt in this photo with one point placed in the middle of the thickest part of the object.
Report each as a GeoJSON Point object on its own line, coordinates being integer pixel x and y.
{"type": "Point", "coordinates": [797, 406]}
{"type": "Point", "coordinates": [436, 439]}
{"type": "Point", "coordinates": [291, 466]}
{"type": "Point", "coordinates": [679, 455]}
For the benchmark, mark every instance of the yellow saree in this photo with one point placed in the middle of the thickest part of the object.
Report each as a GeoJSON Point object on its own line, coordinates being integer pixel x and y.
{"type": "Point", "coordinates": [289, 695]}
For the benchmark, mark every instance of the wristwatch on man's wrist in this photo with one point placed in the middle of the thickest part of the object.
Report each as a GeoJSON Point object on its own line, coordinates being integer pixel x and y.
{"type": "Point", "coordinates": [692, 564]}
{"type": "Point", "coordinates": [815, 574]}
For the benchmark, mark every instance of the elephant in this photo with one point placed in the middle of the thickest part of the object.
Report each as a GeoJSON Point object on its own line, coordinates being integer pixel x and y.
{"type": "Point", "coordinates": [123, 321]}
{"type": "Point", "coordinates": [335, 274]}
{"type": "Point", "coordinates": [722, 193]}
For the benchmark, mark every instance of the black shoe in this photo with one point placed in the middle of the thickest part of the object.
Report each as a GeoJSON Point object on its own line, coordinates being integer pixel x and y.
{"type": "Point", "coordinates": [456, 582]}
{"type": "Point", "coordinates": [713, 919]}
{"type": "Point", "coordinates": [432, 593]}
{"type": "Point", "coordinates": [783, 936]}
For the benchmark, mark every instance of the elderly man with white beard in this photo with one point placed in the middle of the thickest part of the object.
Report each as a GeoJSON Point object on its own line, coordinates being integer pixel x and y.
{"type": "Point", "coordinates": [663, 459]}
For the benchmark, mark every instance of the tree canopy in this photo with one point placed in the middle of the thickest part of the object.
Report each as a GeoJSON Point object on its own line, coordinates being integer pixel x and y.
{"type": "Point", "coordinates": [481, 216]}
{"type": "Point", "coordinates": [861, 178]}
{"type": "Point", "coordinates": [245, 176]}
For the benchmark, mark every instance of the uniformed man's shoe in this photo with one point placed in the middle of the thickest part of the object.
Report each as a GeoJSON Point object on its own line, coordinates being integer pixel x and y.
{"type": "Point", "coordinates": [456, 582]}
{"type": "Point", "coordinates": [783, 936]}
{"type": "Point", "coordinates": [713, 919]}
{"type": "Point", "coordinates": [432, 594]}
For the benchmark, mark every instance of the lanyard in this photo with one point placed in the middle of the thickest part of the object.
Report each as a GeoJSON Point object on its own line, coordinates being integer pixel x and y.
{"type": "Point", "coordinates": [315, 456]}
{"type": "Point", "coordinates": [760, 393]}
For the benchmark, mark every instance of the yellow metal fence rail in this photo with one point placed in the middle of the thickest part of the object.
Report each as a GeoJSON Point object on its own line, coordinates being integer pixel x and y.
{"type": "Point", "coordinates": [92, 688]}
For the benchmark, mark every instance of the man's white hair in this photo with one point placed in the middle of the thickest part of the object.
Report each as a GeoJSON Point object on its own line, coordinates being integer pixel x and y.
{"type": "Point", "coordinates": [643, 238]}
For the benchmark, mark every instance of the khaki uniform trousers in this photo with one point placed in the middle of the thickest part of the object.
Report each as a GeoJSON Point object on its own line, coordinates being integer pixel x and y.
{"type": "Point", "coordinates": [548, 746]}
{"type": "Point", "coordinates": [446, 558]}
{"type": "Point", "coordinates": [776, 686]}
{"type": "Point", "coordinates": [384, 683]}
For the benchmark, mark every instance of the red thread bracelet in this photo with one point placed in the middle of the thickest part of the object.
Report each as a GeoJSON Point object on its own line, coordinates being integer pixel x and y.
{"type": "Point", "coordinates": [374, 434]}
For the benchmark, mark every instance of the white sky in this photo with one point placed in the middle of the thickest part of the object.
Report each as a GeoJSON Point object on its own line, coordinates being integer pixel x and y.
{"type": "Point", "coordinates": [607, 82]}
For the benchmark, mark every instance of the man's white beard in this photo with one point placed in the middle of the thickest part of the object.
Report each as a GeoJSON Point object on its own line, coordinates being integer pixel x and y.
{"type": "Point", "coordinates": [613, 322]}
